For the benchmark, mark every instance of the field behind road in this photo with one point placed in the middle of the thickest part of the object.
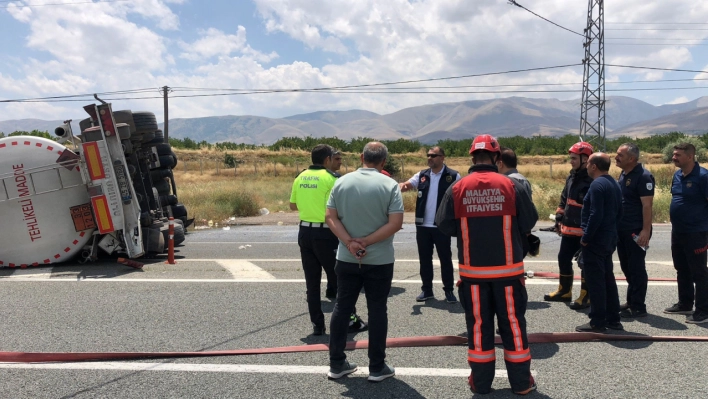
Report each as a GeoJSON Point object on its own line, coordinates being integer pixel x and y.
{"type": "Point", "coordinates": [243, 288]}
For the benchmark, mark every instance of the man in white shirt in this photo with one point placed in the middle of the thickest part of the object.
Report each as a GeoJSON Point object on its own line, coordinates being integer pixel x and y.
{"type": "Point", "coordinates": [435, 180]}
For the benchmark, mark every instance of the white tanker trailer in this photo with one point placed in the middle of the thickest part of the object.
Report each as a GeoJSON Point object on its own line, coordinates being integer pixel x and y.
{"type": "Point", "coordinates": [111, 191]}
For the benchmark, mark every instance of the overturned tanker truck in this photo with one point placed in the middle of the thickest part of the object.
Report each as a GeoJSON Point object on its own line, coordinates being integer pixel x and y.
{"type": "Point", "coordinates": [110, 191]}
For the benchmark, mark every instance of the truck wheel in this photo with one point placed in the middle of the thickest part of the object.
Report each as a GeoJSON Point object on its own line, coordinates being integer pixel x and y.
{"type": "Point", "coordinates": [144, 122]}
{"type": "Point", "coordinates": [125, 116]}
{"type": "Point", "coordinates": [179, 233]}
{"type": "Point", "coordinates": [167, 199]}
{"type": "Point", "coordinates": [166, 162]}
{"type": "Point", "coordinates": [163, 149]}
{"type": "Point", "coordinates": [175, 157]}
{"type": "Point", "coordinates": [162, 186]}
{"type": "Point", "coordinates": [147, 137]}
{"type": "Point", "coordinates": [159, 174]}
{"type": "Point", "coordinates": [153, 240]}
{"type": "Point", "coordinates": [179, 211]}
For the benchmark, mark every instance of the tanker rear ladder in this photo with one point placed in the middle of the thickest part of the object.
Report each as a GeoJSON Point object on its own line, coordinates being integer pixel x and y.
{"type": "Point", "coordinates": [29, 173]}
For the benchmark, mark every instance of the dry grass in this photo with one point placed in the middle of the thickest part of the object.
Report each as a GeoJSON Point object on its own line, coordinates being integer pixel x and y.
{"type": "Point", "coordinates": [265, 178]}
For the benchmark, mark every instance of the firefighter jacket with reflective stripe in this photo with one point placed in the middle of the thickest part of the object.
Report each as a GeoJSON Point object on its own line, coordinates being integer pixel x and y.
{"type": "Point", "coordinates": [571, 202]}
{"type": "Point", "coordinates": [447, 177]}
{"type": "Point", "coordinates": [490, 214]}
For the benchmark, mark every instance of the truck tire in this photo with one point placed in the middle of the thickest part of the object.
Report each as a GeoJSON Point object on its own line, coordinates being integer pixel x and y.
{"type": "Point", "coordinates": [144, 122]}
{"type": "Point", "coordinates": [153, 240]}
{"type": "Point", "coordinates": [179, 233]}
{"type": "Point", "coordinates": [127, 146]}
{"type": "Point", "coordinates": [162, 186]}
{"type": "Point", "coordinates": [179, 211]}
{"type": "Point", "coordinates": [167, 200]}
{"type": "Point", "coordinates": [158, 174]}
{"type": "Point", "coordinates": [163, 149]}
{"type": "Point", "coordinates": [125, 116]}
{"type": "Point", "coordinates": [166, 162]}
{"type": "Point", "coordinates": [147, 137]}
{"type": "Point", "coordinates": [159, 135]}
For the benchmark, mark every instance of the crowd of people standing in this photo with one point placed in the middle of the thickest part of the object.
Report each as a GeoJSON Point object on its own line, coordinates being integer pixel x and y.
{"type": "Point", "coordinates": [348, 224]}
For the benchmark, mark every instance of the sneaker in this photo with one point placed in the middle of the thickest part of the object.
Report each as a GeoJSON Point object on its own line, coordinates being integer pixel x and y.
{"type": "Point", "coordinates": [529, 389]}
{"type": "Point", "coordinates": [678, 308]}
{"type": "Point", "coordinates": [697, 318]}
{"type": "Point", "coordinates": [331, 293]}
{"type": "Point", "coordinates": [615, 326]}
{"type": "Point", "coordinates": [318, 330]}
{"type": "Point", "coordinates": [631, 313]}
{"type": "Point", "coordinates": [341, 371]}
{"type": "Point", "coordinates": [356, 324]}
{"type": "Point", "coordinates": [624, 306]}
{"type": "Point", "coordinates": [378, 376]}
{"type": "Point", "coordinates": [450, 297]}
{"type": "Point", "coordinates": [424, 296]}
{"type": "Point", "coordinates": [587, 327]}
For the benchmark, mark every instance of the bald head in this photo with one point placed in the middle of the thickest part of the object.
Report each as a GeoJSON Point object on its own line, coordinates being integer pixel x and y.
{"type": "Point", "coordinates": [598, 164]}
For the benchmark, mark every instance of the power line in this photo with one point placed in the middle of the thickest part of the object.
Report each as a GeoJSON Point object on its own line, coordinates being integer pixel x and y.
{"type": "Point", "coordinates": [514, 3]}
{"type": "Point", "coordinates": [655, 68]}
{"type": "Point", "coordinates": [656, 23]}
{"type": "Point", "coordinates": [653, 29]}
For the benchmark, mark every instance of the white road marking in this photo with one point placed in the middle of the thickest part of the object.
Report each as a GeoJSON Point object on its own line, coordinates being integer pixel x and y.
{"type": "Point", "coordinates": [244, 270]}
{"type": "Point", "coordinates": [237, 368]}
{"type": "Point", "coordinates": [31, 273]}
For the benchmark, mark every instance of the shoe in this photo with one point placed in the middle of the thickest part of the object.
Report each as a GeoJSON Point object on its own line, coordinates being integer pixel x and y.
{"type": "Point", "coordinates": [378, 376]}
{"type": "Point", "coordinates": [529, 389]}
{"type": "Point", "coordinates": [341, 371]}
{"type": "Point", "coordinates": [583, 300]}
{"type": "Point", "coordinates": [697, 318]}
{"type": "Point", "coordinates": [450, 297]}
{"type": "Point", "coordinates": [318, 330]}
{"type": "Point", "coordinates": [677, 308]}
{"type": "Point", "coordinates": [356, 324]}
{"type": "Point", "coordinates": [564, 293]}
{"type": "Point", "coordinates": [615, 326]}
{"type": "Point", "coordinates": [590, 328]}
{"type": "Point", "coordinates": [424, 296]}
{"type": "Point", "coordinates": [624, 306]}
{"type": "Point", "coordinates": [631, 313]}
{"type": "Point", "coordinates": [331, 293]}
{"type": "Point", "coordinates": [474, 389]}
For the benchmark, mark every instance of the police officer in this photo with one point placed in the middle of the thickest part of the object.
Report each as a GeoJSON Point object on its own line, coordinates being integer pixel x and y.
{"type": "Point", "coordinates": [491, 215]}
{"type": "Point", "coordinates": [637, 186]}
{"type": "Point", "coordinates": [568, 225]}
{"type": "Point", "coordinates": [318, 245]}
{"type": "Point", "coordinates": [336, 163]}
{"type": "Point", "coordinates": [431, 184]}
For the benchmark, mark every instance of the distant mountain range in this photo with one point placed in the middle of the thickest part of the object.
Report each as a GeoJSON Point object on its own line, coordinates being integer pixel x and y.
{"type": "Point", "coordinates": [430, 123]}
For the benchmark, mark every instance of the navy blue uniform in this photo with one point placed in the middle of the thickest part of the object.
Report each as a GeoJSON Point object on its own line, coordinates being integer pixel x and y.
{"type": "Point", "coordinates": [636, 184]}
{"type": "Point", "coordinates": [602, 209]}
{"type": "Point", "coordinates": [689, 236]}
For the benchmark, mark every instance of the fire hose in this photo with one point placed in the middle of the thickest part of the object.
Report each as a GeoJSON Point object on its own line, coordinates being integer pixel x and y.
{"type": "Point", "coordinates": [403, 342]}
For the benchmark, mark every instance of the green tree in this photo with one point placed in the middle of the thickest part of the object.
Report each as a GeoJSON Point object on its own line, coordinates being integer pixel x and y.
{"type": "Point", "coordinates": [701, 152]}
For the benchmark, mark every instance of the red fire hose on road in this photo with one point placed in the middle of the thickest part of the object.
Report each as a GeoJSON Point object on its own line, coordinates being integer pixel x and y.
{"type": "Point", "coordinates": [403, 342]}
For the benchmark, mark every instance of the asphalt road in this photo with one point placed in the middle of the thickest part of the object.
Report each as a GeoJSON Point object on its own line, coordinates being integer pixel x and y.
{"type": "Point", "coordinates": [243, 288]}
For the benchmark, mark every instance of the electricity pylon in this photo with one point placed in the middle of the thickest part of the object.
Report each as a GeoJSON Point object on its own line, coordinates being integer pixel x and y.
{"type": "Point", "coordinates": [592, 113]}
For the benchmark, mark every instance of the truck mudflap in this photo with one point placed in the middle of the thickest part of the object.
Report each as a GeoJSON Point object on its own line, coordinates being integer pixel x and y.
{"type": "Point", "coordinates": [42, 200]}
{"type": "Point", "coordinates": [106, 181]}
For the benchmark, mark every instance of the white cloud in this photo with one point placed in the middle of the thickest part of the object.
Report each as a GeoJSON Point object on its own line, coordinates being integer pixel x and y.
{"type": "Point", "coordinates": [108, 47]}
{"type": "Point", "coordinates": [679, 100]}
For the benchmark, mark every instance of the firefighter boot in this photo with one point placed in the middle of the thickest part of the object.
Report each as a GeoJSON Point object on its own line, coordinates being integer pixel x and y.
{"type": "Point", "coordinates": [564, 292]}
{"type": "Point", "coordinates": [583, 300]}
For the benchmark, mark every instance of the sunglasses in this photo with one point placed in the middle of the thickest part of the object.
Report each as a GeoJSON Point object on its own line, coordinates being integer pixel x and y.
{"type": "Point", "coordinates": [434, 155]}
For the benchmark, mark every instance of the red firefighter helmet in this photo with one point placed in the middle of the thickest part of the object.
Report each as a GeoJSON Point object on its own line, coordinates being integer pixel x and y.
{"type": "Point", "coordinates": [581, 148]}
{"type": "Point", "coordinates": [484, 142]}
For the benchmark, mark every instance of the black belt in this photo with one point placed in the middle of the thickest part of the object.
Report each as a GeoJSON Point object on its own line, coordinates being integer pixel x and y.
{"type": "Point", "coordinates": [313, 224]}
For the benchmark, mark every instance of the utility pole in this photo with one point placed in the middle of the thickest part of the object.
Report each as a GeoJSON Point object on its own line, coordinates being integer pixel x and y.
{"type": "Point", "coordinates": [592, 113]}
{"type": "Point", "coordinates": [165, 129]}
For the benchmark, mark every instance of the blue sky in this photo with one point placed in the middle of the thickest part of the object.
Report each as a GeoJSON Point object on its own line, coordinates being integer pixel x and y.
{"type": "Point", "coordinates": [189, 45]}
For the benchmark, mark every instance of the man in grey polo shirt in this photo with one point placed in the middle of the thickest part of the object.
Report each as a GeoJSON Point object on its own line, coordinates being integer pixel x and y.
{"type": "Point", "coordinates": [364, 211]}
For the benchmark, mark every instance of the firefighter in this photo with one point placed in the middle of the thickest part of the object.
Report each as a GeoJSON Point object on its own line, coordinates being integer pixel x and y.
{"type": "Point", "coordinates": [491, 216]}
{"type": "Point", "coordinates": [568, 226]}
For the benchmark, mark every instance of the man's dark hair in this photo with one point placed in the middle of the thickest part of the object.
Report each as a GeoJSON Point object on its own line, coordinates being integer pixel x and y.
{"type": "Point", "coordinates": [440, 149]}
{"type": "Point", "coordinates": [336, 152]}
{"type": "Point", "coordinates": [632, 149]}
{"type": "Point", "coordinates": [688, 148]}
{"type": "Point", "coordinates": [320, 153]}
{"type": "Point", "coordinates": [375, 153]}
{"type": "Point", "coordinates": [508, 157]}
{"type": "Point", "coordinates": [602, 163]}
{"type": "Point", "coordinates": [483, 155]}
